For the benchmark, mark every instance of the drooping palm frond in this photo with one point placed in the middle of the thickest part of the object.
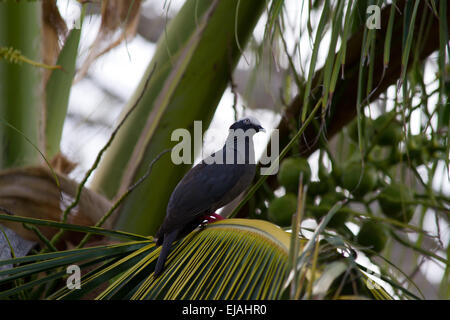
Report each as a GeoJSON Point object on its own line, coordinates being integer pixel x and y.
{"type": "Point", "coordinates": [231, 259]}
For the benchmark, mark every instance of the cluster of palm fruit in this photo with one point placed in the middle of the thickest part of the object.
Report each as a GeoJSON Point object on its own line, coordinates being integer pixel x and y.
{"type": "Point", "coordinates": [395, 199]}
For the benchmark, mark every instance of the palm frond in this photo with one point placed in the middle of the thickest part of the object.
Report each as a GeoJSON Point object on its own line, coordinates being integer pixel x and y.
{"type": "Point", "coordinates": [236, 258]}
{"type": "Point", "coordinates": [230, 259]}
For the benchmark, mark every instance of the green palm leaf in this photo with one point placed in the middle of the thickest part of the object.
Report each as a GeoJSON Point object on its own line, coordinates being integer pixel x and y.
{"type": "Point", "coordinates": [230, 259]}
{"type": "Point", "coordinates": [236, 258]}
{"type": "Point", "coordinates": [233, 259]}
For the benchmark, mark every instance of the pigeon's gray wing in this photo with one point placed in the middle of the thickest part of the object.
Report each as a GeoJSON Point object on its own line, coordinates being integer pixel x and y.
{"type": "Point", "coordinates": [203, 187]}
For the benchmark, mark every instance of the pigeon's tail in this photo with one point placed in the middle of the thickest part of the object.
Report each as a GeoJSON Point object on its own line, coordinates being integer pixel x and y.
{"type": "Point", "coordinates": [167, 243]}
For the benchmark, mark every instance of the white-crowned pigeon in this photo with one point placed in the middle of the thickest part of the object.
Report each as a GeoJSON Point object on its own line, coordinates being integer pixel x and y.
{"type": "Point", "coordinates": [210, 185]}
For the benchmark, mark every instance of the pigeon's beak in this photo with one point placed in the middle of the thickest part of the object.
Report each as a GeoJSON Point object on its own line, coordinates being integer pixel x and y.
{"type": "Point", "coordinates": [261, 129]}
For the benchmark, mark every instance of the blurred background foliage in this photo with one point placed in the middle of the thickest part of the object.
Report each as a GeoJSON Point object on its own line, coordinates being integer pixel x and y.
{"type": "Point", "coordinates": [90, 93]}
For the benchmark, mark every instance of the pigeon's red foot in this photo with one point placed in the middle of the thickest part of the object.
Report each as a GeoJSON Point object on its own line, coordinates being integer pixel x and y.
{"type": "Point", "coordinates": [210, 218]}
{"type": "Point", "coordinates": [215, 217]}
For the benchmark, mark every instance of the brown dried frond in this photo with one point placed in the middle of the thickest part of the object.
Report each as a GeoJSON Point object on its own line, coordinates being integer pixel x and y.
{"type": "Point", "coordinates": [54, 33]}
{"type": "Point", "coordinates": [61, 164]}
{"type": "Point", "coordinates": [33, 192]}
{"type": "Point", "coordinates": [119, 22]}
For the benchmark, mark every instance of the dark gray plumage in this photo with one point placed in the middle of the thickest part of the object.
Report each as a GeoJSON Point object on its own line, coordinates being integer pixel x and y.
{"type": "Point", "coordinates": [209, 186]}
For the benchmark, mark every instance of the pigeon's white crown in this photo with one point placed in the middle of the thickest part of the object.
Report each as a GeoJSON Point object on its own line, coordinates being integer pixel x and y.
{"type": "Point", "coordinates": [252, 120]}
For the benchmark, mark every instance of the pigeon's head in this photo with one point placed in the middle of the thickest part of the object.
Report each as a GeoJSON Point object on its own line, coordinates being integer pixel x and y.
{"type": "Point", "coordinates": [247, 123]}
